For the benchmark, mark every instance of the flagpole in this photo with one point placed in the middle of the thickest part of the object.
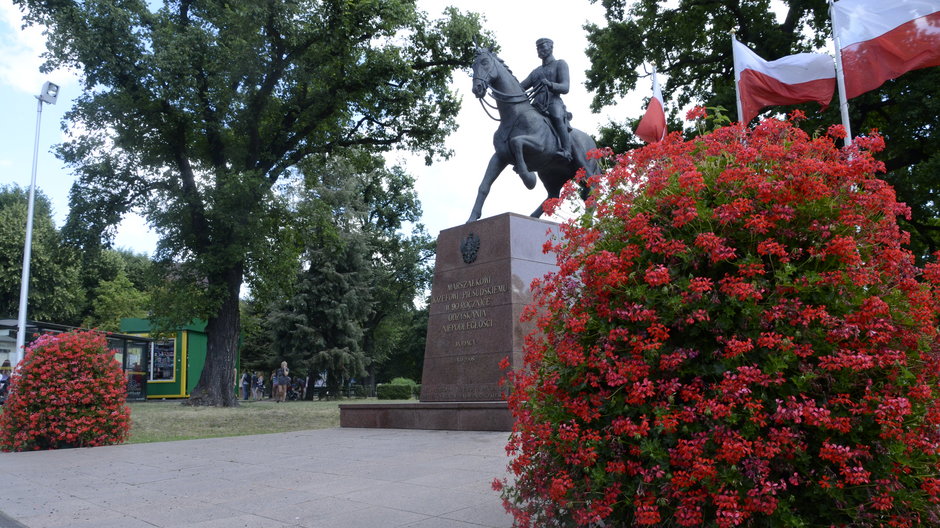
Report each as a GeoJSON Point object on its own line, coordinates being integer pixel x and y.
{"type": "Point", "coordinates": [737, 90]}
{"type": "Point", "coordinates": [840, 79]}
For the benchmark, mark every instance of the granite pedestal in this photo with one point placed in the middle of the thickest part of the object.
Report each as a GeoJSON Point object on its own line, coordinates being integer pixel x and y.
{"type": "Point", "coordinates": [482, 279]}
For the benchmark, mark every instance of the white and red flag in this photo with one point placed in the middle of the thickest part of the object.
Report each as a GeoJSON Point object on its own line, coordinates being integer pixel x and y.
{"type": "Point", "coordinates": [652, 127]}
{"type": "Point", "coordinates": [883, 39]}
{"type": "Point", "coordinates": [791, 80]}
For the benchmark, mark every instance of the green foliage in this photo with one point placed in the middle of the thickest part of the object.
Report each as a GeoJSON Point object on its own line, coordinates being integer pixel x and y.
{"type": "Point", "coordinates": [55, 293]}
{"type": "Point", "coordinates": [415, 387]}
{"type": "Point", "coordinates": [325, 336]}
{"type": "Point", "coordinates": [193, 111]}
{"type": "Point", "coordinates": [405, 357]}
{"type": "Point", "coordinates": [68, 392]}
{"type": "Point", "coordinates": [115, 300]}
{"type": "Point", "coordinates": [735, 336]}
{"type": "Point", "coordinates": [351, 303]}
{"type": "Point", "coordinates": [94, 289]}
{"type": "Point", "coordinates": [689, 42]}
{"type": "Point", "coordinates": [256, 352]}
{"type": "Point", "coordinates": [388, 391]}
{"type": "Point", "coordinates": [119, 284]}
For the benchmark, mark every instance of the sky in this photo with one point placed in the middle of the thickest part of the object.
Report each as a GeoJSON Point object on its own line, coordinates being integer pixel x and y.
{"type": "Point", "coordinates": [446, 189]}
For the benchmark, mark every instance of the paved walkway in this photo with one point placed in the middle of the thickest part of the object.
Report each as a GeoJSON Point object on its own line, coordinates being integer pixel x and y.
{"type": "Point", "coordinates": [333, 478]}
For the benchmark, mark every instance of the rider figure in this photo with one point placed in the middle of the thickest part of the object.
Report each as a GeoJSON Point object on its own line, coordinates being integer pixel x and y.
{"type": "Point", "coordinates": [549, 81]}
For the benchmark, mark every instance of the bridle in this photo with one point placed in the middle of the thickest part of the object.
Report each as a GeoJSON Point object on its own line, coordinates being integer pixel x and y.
{"type": "Point", "coordinates": [498, 96]}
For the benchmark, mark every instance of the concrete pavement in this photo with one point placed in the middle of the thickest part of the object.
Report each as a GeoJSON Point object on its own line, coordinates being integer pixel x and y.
{"type": "Point", "coordinates": [322, 478]}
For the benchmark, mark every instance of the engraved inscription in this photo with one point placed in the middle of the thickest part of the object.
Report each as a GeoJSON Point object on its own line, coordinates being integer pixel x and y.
{"type": "Point", "coordinates": [453, 392]}
{"type": "Point", "coordinates": [465, 304]}
{"type": "Point", "coordinates": [468, 283]}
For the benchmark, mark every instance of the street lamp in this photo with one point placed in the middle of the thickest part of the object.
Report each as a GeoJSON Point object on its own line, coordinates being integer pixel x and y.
{"type": "Point", "coordinates": [49, 95]}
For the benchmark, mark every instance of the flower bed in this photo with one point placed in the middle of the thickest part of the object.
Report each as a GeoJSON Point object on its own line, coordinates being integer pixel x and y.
{"type": "Point", "coordinates": [68, 392]}
{"type": "Point", "coordinates": [736, 336]}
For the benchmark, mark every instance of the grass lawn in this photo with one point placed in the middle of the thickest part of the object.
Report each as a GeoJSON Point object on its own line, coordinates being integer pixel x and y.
{"type": "Point", "coordinates": [163, 421]}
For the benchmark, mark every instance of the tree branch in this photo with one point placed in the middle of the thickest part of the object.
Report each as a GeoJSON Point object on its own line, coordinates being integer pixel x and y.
{"type": "Point", "coordinates": [260, 99]}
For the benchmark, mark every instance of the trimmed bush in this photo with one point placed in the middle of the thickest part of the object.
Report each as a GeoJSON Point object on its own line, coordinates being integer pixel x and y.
{"type": "Point", "coordinates": [735, 337]}
{"type": "Point", "coordinates": [388, 391]}
{"type": "Point", "coordinates": [415, 387]}
{"type": "Point", "coordinates": [68, 392]}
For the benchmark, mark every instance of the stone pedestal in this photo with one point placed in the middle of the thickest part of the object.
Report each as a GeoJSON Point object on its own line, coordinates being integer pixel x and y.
{"type": "Point", "coordinates": [481, 285]}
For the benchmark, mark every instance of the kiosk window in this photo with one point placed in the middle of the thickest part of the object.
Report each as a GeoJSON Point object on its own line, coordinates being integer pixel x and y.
{"type": "Point", "coordinates": [163, 361]}
{"type": "Point", "coordinates": [135, 357]}
{"type": "Point", "coordinates": [117, 348]}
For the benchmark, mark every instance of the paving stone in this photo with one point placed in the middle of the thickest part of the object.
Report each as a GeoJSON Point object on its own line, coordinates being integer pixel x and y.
{"type": "Point", "coordinates": [304, 479]}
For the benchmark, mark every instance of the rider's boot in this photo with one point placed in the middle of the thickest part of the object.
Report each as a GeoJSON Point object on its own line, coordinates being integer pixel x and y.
{"type": "Point", "coordinates": [565, 150]}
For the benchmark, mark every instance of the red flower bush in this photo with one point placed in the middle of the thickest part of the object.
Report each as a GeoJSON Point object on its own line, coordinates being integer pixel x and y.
{"type": "Point", "coordinates": [735, 337]}
{"type": "Point", "coordinates": [68, 392]}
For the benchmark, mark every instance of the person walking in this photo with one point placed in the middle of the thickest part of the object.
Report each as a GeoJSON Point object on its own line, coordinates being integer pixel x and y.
{"type": "Point", "coordinates": [282, 380]}
{"type": "Point", "coordinates": [257, 386]}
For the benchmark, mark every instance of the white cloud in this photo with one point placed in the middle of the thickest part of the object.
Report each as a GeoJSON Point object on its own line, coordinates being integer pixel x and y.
{"type": "Point", "coordinates": [19, 51]}
{"type": "Point", "coordinates": [20, 54]}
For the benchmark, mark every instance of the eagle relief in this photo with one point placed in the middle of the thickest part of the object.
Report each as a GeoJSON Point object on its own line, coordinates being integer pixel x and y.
{"type": "Point", "coordinates": [469, 248]}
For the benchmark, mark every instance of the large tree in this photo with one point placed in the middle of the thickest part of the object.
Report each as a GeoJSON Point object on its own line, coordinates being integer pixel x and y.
{"type": "Point", "coordinates": [690, 41]}
{"type": "Point", "coordinates": [55, 292]}
{"type": "Point", "coordinates": [359, 268]}
{"type": "Point", "coordinates": [193, 111]}
{"type": "Point", "coordinates": [400, 256]}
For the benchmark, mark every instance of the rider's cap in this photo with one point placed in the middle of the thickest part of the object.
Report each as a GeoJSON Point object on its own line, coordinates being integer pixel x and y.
{"type": "Point", "coordinates": [548, 41]}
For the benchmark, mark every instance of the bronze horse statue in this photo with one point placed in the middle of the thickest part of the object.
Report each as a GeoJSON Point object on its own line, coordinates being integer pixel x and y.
{"type": "Point", "coordinates": [525, 138]}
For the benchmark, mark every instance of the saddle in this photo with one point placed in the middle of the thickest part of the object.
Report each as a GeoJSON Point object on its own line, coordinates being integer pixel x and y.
{"type": "Point", "coordinates": [541, 106]}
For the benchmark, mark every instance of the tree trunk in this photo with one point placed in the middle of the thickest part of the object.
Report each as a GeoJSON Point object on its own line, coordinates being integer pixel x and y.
{"type": "Point", "coordinates": [217, 383]}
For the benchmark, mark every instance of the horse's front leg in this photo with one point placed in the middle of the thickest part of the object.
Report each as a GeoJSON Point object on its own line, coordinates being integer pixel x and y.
{"type": "Point", "coordinates": [517, 146]}
{"type": "Point", "coordinates": [554, 191]}
{"type": "Point", "coordinates": [493, 169]}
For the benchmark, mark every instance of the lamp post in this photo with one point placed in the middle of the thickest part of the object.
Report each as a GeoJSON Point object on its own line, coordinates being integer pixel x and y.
{"type": "Point", "coordinates": [49, 94]}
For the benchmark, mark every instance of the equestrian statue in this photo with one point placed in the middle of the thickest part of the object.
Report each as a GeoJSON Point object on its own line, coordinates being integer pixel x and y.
{"type": "Point", "coordinates": [533, 133]}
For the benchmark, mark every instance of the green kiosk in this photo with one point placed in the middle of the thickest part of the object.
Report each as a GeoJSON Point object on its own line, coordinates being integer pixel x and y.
{"type": "Point", "coordinates": [176, 360]}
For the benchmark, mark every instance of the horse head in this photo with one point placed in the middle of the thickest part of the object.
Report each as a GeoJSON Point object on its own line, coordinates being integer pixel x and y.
{"type": "Point", "coordinates": [484, 71]}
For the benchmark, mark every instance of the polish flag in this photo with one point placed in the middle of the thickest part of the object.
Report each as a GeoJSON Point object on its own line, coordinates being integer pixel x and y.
{"type": "Point", "coordinates": [652, 127]}
{"type": "Point", "coordinates": [883, 39]}
{"type": "Point", "coordinates": [793, 79]}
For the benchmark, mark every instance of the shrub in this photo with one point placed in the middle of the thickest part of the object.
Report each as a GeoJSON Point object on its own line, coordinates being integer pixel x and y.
{"type": "Point", "coordinates": [357, 391]}
{"type": "Point", "coordinates": [735, 336]}
{"type": "Point", "coordinates": [415, 387]}
{"type": "Point", "coordinates": [388, 391]}
{"type": "Point", "coordinates": [68, 392]}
